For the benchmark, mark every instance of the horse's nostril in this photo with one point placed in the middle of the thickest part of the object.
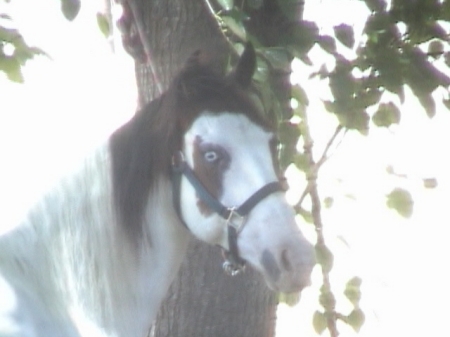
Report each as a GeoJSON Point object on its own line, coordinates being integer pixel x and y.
{"type": "Point", "coordinates": [285, 260]}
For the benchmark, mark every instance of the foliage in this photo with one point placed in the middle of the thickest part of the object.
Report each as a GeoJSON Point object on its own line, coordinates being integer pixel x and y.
{"type": "Point", "coordinates": [401, 201]}
{"type": "Point", "coordinates": [104, 24]}
{"type": "Point", "coordinates": [14, 51]}
{"type": "Point", "coordinates": [404, 43]}
{"type": "Point", "coordinates": [70, 8]}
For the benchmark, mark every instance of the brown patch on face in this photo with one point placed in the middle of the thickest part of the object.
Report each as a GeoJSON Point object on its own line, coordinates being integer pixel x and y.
{"type": "Point", "coordinates": [210, 163]}
{"type": "Point", "coordinates": [203, 208]}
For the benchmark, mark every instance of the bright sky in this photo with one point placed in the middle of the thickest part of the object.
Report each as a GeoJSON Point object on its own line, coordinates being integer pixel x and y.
{"type": "Point", "coordinates": [68, 103]}
{"type": "Point", "coordinates": [72, 102]}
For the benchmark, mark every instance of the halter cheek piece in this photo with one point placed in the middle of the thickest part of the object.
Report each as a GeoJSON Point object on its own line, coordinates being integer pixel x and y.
{"type": "Point", "coordinates": [235, 217]}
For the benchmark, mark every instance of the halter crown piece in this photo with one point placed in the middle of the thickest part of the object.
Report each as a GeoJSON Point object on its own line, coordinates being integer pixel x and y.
{"type": "Point", "coordinates": [235, 217]}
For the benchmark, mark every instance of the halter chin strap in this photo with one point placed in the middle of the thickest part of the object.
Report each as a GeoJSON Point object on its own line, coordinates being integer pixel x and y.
{"type": "Point", "coordinates": [235, 216]}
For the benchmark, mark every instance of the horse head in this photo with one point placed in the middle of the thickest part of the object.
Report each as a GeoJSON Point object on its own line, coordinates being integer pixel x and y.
{"type": "Point", "coordinates": [227, 188]}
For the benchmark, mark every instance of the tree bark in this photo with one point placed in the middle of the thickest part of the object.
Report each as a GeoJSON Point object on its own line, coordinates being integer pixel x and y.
{"type": "Point", "coordinates": [202, 301]}
{"type": "Point", "coordinates": [174, 30]}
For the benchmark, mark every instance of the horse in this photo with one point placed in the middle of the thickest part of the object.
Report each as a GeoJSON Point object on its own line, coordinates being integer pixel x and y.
{"type": "Point", "coordinates": [96, 255]}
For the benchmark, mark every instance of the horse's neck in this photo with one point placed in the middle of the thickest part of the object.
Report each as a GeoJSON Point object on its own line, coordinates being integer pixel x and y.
{"type": "Point", "coordinates": [85, 260]}
{"type": "Point", "coordinates": [162, 253]}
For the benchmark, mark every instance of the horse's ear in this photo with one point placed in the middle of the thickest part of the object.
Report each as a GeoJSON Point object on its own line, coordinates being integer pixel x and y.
{"type": "Point", "coordinates": [246, 66]}
{"type": "Point", "coordinates": [190, 79]}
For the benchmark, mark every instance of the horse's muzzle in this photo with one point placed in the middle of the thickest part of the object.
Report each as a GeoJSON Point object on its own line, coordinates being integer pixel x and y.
{"type": "Point", "coordinates": [288, 269]}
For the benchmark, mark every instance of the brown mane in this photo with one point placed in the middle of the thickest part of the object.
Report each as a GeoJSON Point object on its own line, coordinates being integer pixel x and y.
{"type": "Point", "coordinates": [142, 149]}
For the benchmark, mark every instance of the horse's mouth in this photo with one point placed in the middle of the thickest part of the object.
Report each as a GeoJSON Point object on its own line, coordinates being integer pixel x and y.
{"type": "Point", "coordinates": [283, 276]}
{"type": "Point", "coordinates": [287, 285]}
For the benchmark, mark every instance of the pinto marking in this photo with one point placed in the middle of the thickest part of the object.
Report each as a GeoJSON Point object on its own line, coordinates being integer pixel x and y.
{"type": "Point", "coordinates": [96, 255]}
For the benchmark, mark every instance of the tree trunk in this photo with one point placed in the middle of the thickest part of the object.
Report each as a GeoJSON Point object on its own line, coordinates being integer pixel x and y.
{"type": "Point", "coordinates": [174, 30]}
{"type": "Point", "coordinates": [202, 301]}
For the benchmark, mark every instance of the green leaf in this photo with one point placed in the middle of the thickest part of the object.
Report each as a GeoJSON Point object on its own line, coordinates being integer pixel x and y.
{"type": "Point", "coordinates": [447, 58]}
{"type": "Point", "coordinates": [437, 31]}
{"type": "Point", "coordinates": [321, 73]}
{"type": "Point", "coordinates": [389, 66]}
{"type": "Point", "coordinates": [353, 290]}
{"type": "Point", "coordinates": [70, 8]}
{"type": "Point", "coordinates": [356, 319]}
{"type": "Point", "coordinates": [301, 162]}
{"type": "Point", "coordinates": [435, 48]}
{"type": "Point", "coordinates": [342, 84]}
{"type": "Point", "coordinates": [299, 94]}
{"type": "Point", "coordinates": [15, 75]}
{"type": "Point", "coordinates": [445, 11]}
{"type": "Point", "coordinates": [376, 5]}
{"type": "Point", "coordinates": [288, 134]}
{"type": "Point", "coordinates": [401, 201]}
{"type": "Point", "coordinates": [103, 24]}
{"type": "Point", "coordinates": [354, 282]}
{"type": "Point", "coordinates": [292, 9]}
{"type": "Point", "coordinates": [226, 4]}
{"type": "Point", "coordinates": [306, 215]}
{"type": "Point", "coordinates": [239, 16]}
{"type": "Point", "coordinates": [422, 76]}
{"type": "Point", "coordinates": [428, 104]}
{"type": "Point", "coordinates": [37, 51]}
{"type": "Point", "coordinates": [329, 106]}
{"type": "Point", "coordinates": [386, 115]}
{"type": "Point", "coordinates": [319, 322]}
{"type": "Point", "coordinates": [328, 202]}
{"type": "Point", "coordinates": [344, 33]}
{"type": "Point", "coordinates": [324, 257]}
{"type": "Point", "coordinates": [278, 58]}
{"type": "Point", "coordinates": [11, 67]}
{"type": "Point", "coordinates": [390, 169]}
{"type": "Point", "coordinates": [446, 103]}
{"type": "Point", "coordinates": [430, 183]}
{"type": "Point", "coordinates": [237, 28]}
{"type": "Point", "coordinates": [353, 119]}
{"type": "Point", "coordinates": [305, 59]}
{"type": "Point", "coordinates": [369, 97]}
{"type": "Point", "coordinates": [327, 43]}
{"type": "Point", "coordinates": [303, 37]}
{"type": "Point", "coordinates": [326, 299]}
{"type": "Point", "coordinates": [9, 34]}
{"type": "Point", "coordinates": [290, 299]}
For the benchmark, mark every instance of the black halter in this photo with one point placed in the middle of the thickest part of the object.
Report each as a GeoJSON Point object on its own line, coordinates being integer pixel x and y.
{"type": "Point", "coordinates": [235, 216]}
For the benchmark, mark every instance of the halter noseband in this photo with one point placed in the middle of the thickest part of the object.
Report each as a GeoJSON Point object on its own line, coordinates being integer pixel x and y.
{"type": "Point", "coordinates": [235, 216]}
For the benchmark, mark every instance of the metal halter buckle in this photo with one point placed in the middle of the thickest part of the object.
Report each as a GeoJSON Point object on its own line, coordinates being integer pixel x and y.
{"type": "Point", "coordinates": [232, 269]}
{"type": "Point", "coordinates": [235, 217]}
{"type": "Point", "coordinates": [235, 220]}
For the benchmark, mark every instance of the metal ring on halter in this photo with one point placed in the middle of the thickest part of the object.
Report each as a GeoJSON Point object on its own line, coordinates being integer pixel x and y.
{"type": "Point", "coordinates": [232, 269]}
{"type": "Point", "coordinates": [235, 219]}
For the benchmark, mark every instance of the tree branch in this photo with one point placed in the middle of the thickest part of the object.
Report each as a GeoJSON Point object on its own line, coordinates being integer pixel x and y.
{"type": "Point", "coordinates": [325, 155]}
{"type": "Point", "coordinates": [139, 23]}
{"type": "Point", "coordinates": [312, 190]}
{"type": "Point", "coordinates": [323, 158]}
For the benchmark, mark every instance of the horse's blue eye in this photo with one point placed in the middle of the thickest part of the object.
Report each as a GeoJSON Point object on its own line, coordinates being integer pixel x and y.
{"type": "Point", "coordinates": [211, 156]}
